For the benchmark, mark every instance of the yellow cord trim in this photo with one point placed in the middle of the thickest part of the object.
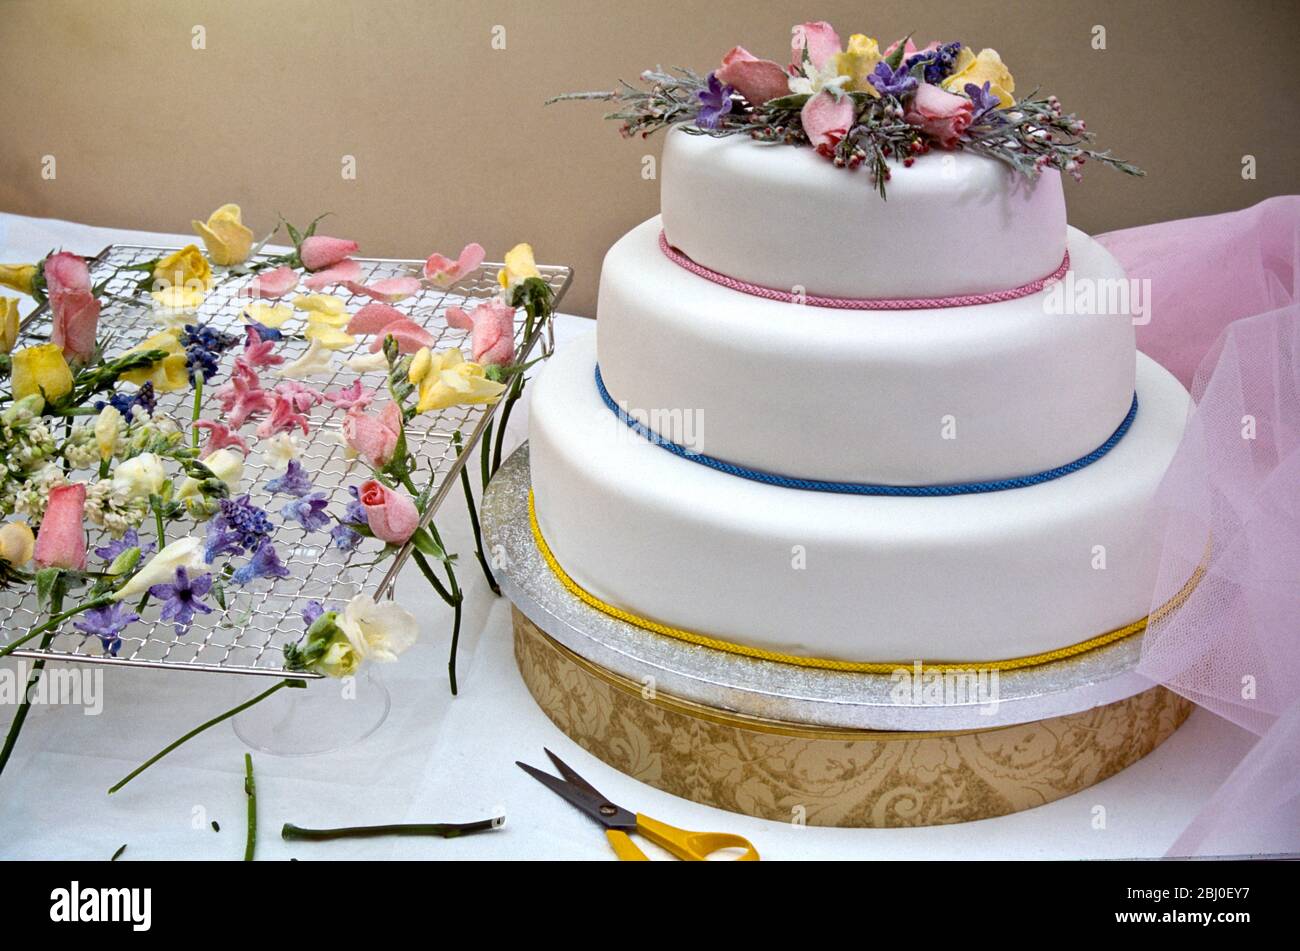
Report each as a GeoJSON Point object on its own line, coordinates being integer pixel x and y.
{"type": "Point", "coordinates": [857, 667]}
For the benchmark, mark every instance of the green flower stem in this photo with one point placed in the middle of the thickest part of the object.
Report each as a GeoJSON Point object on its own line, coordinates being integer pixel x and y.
{"type": "Point", "coordinates": [473, 520]}
{"type": "Point", "coordinates": [250, 790]}
{"type": "Point", "coordinates": [516, 390]}
{"type": "Point", "coordinates": [160, 526]}
{"type": "Point", "coordinates": [53, 623]}
{"type": "Point", "coordinates": [234, 711]}
{"type": "Point", "coordinates": [454, 597]}
{"type": "Point", "coordinates": [445, 830]}
{"type": "Point", "coordinates": [198, 408]}
{"type": "Point", "coordinates": [25, 706]}
{"type": "Point", "coordinates": [485, 455]}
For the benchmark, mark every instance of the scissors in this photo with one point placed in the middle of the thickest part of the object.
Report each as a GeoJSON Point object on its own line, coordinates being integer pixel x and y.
{"type": "Point", "coordinates": [618, 822]}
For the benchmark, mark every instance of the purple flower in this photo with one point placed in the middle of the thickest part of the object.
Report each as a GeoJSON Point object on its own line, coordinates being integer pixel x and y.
{"type": "Point", "coordinates": [983, 100]}
{"type": "Point", "coordinates": [251, 522]}
{"type": "Point", "coordinates": [715, 102]}
{"type": "Point", "coordinates": [107, 623]}
{"type": "Point", "coordinates": [294, 481]}
{"type": "Point", "coordinates": [355, 513]}
{"type": "Point", "coordinates": [129, 539]}
{"type": "Point", "coordinates": [125, 403]}
{"type": "Point", "coordinates": [309, 512]}
{"type": "Point", "coordinates": [181, 599]}
{"type": "Point", "coordinates": [263, 332]}
{"type": "Point", "coordinates": [204, 346]}
{"type": "Point", "coordinates": [344, 537]}
{"type": "Point", "coordinates": [311, 612]}
{"type": "Point", "coordinates": [265, 563]}
{"type": "Point", "coordinates": [892, 82]}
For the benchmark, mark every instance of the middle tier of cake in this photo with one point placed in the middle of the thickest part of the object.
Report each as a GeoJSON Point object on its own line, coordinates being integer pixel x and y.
{"type": "Point", "coordinates": [979, 577]}
{"type": "Point", "coordinates": [900, 397]}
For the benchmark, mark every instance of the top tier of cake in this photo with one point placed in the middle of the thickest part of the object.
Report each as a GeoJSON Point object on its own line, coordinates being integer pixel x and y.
{"type": "Point", "coordinates": [781, 217]}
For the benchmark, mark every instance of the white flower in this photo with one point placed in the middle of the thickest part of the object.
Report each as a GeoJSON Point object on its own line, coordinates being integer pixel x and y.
{"type": "Point", "coordinates": [812, 80]}
{"type": "Point", "coordinates": [378, 631]}
{"type": "Point", "coordinates": [161, 568]}
{"type": "Point", "coordinates": [368, 362]}
{"type": "Point", "coordinates": [278, 451]}
{"type": "Point", "coordinates": [140, 476]}
{"type": "Point", "coordinates": [108, 426]}
{"type": "Point", "coordinates": [226, 464]}
{"type": "Point", "coordinates": [315, 360]}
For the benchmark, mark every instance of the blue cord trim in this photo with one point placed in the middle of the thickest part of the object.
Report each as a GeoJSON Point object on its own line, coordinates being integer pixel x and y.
{"type": "Point", "coordinates": [861, 488]}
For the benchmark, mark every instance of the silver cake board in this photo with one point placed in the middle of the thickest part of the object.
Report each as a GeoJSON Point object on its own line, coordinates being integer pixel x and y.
{"type": "Point", "coordinates": [770, 690]}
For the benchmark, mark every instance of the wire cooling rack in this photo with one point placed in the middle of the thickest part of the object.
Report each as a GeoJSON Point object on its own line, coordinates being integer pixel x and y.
{"type": "Point", "coordinates": [262, 618]}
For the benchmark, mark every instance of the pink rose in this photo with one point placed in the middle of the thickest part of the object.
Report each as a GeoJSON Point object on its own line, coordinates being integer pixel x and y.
{"type": "Point", "coordinates": [819, 38]}
{"type": "Point", "coordinates": [319, 251]}
{"type": "Point", "coordinates": [373, 438]}
{"type": "Point", "coordinates": [392, 516]}
{"type": "Point", "coordinates": [827, 120]}
{"type": "Point", "coordinates": [910, 48]}
{"type": "Point", "coordinates": [493, 330]}
{"type": "Point", "coordinates": [940, 115]}
{"type": "Point", "coordinates": [61, 541]}
{"type": "Point", "coordinates": [758, 80]}
{"type": "Point", "coordinates": [73, 307]}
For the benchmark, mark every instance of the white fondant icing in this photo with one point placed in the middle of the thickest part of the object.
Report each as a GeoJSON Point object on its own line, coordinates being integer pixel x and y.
{"type": "Point", "coordinates": [783, 217]}
{"type": "Point", "coordinates": [976, 577]}
{"type": "Point", "coordinates": [860, 395]}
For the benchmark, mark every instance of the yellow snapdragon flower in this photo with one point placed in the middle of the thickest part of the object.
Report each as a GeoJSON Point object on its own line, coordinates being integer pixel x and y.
{"type": "Point", "coordinates": [18, 277]}
{"type": "Point", "coordinates": [857, 61]}
{"type": "Point", "coordinates": [168, 374]}
{"type": "Point", "coordinates": [520, 266]}
{"type": "Point", "coordinates": [986, 67]}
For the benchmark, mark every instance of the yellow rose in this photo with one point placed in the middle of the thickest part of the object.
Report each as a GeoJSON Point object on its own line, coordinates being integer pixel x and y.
{"type": "Point", "coordinates": [168, 374]}
{"type": "Point", "coordinates": [18, 276]}
{"type": "Point", "coordinates": [520, 266]}
{"type": "Point", "coordinates": [857, 62]}
{"type": "Point", "coordinates": [17, 543]}
{"type": "Point", "coordinates": [8, 323]}
{"type": "Point", "coordinates": [987, 67]}
{"type": "Point", "coordinates": [226, 237]}
{"type": "Point", "coordinates": [448, 379]}
{"type": "Point", "coordinates": [186, 267]}
{"type": "Point", "coordinates": [41, 370]}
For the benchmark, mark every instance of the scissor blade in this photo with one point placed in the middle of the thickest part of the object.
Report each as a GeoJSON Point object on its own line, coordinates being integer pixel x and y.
{"type": "Point", "coordinates": [611, 817]}
{"type": "Point", "coordinates": [571, 775]}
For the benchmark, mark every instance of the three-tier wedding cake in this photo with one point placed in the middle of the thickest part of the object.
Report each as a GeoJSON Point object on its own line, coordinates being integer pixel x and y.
{"type": "Point", "coordinates": [824, 426]}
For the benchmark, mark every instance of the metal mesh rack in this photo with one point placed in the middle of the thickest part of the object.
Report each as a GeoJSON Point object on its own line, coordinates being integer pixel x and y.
{"type": "Point", "coordinates": [260, 619]}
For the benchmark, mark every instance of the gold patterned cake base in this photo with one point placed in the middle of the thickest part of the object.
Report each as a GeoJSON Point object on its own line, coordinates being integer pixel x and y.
{"type": "Point", "coordinates": [835, 777]}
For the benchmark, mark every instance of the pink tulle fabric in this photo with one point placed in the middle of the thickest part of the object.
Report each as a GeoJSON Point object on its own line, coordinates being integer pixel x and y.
{"type": "Point", "coordinates": [1225, 318]}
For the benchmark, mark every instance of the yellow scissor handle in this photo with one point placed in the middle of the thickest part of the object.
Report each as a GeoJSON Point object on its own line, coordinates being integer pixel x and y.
{"type": "Point", "coordinates": [624, 847]}
{"type": "Point", "coordinates": [691, 846]}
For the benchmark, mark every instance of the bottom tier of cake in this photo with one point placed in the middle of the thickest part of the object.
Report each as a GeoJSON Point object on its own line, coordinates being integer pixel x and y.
{"type": "Point", "coordinates": [969, 578]}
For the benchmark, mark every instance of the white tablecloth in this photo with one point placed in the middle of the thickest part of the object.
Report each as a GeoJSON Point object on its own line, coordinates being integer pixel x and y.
{"type": "Point", "coordinates": [444, 758]}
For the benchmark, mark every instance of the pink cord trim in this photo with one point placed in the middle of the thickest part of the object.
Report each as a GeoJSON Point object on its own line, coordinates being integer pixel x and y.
{"type": "Point", "coordinates": [861, 303]}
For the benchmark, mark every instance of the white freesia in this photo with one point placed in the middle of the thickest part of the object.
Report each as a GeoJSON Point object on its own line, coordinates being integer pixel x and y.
{"type": "Point", "coordinates": [184, 553]}
{"type": "Point", "coordinates": [315, 360]}
{"type": "Point", "coordinates": [812, 80]}
{"type": "Point", "coordinates": [140, 476]}
{"type": "Point", "coordinates": [378, 631]}
{"type": "Point", "coordinates": [280, 450]}
{"type": "Point", "coordinates": [368, 362]}
{"type": "Point", "coordinates": [226, 464]}
{"type": "Point", "coordinates": [108, 426]}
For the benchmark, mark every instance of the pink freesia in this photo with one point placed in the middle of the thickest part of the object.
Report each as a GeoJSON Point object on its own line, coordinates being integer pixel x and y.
{"type": "Point", "coordinates": [320, 251]}
{"type": "Point", "coordinates": [354, 396]}
{"type": "Point", "coordinates": [73, 306]}
{"type": "Point", "coordinates": [819, 38]}
{"type": "Point", "coordinates": [374, 317]}
{"type": "Point", "coordinates": [392, 516]}
{"type": "Point", "coordinates": [940, 115]}
{"type": "Point", "coordinates": [826, 120]}
{"type": "Point", "coordinates": [274, 283]}
{"type": "Point", "coordinates": [61, 541]}
{"type": "Point", "coordinates": [409, 335]}
{"type": "Point", "coordinates": [340, 273]}
{"type": "Point", "coordinates": [242, 396]}
{"type": "Point", "coordinates": [758, 80]}
{"type": "Point", "coordinates": [284, 418]}
{"type": "Point", "coordinates": [300, 396]}
{"type": "Point", "coordinates": [220, 436]}
{"type": "Point", "coordinates": [444, 272]}
{"type": "Point", "coordinates": [390, 289]}
{"type": "Point", "coordinates": [373, 438]}
{"type": "Point", "coordinates": [493, 327]}
{"type": "Point", "coordinates": [258, 352]}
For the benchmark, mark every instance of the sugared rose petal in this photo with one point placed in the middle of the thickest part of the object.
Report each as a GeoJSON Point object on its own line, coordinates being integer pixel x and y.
{"type": "Point", "coordinates": [409, 335]}
{"type": "Point", "coordinates": [373, 318]}
{"type": "Point", "coordinates": [346, 270]}
{"type": "Point", "coordinates": [391, 289]}
{"type": "Point", "coordinates": [274, 283]}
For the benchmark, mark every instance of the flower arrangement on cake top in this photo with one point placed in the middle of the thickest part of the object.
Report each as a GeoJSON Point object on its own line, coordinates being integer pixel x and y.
{"type": "Point", "coordinates": [859, 105]}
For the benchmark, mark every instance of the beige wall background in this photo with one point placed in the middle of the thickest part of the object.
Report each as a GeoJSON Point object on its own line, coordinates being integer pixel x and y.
{"type": "Point", "coordinates": [452, 143]}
